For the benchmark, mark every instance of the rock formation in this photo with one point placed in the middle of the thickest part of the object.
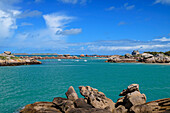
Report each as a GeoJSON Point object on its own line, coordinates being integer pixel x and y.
{"type": "Point", "coordinates": [7, 59]}
{"type": "Point", "coordinates": [140, 58]}
{"type": "Point", "coordinates": [82, 55]}
{"type": "Point", "coordinates": [96, 102]}
{"type": "Point", "coordinates": [135, 52]}
{"type": "Point", "coordinates": [119, 59]}
{"type": "Point", "coordinates": [71, 94]}
{"type": "Point", "coordinates": [97, 99]}
{"type": "Point", "coordinates": [149, 58]}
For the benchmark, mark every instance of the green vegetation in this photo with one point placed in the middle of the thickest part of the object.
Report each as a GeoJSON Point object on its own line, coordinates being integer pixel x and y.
{"type": "Point", "coordinates": [15, 58]}
{"type": "Point", "coordinates": [155, 53]}
{"type": "Point", "coordinates": [3, 58]}
{"type": "Point", "coordinates": [167, 53]}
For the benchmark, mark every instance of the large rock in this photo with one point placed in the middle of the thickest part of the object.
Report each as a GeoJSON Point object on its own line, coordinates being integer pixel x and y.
{"type": "Point", "coordinates": [146, 55]}
{"type": "Point", "coordinates": [64, 104]}
{"type": "Point", "coordinates": [90, 110]}
{"type": "Point", "coordinates": [121, 109]}
{"type": "Point", "coordinates": [82, 55]}
{"type": "Point", "coordinates": [97, 99]}
{"type": "Point", "coordinates": [161, 58]}
{"type": "Point", "coordinates": [134, 98]}
{"type": "Point", "coordinates": [120, 101]}
{"type": "Point", "coordinates": [161, 106]}
{"type": "Point", "coordinates": [117, 59]}
{"type": "Point", "coordinates": [80, 103]}
{"type": "Point", "coordinates": [130, 88]}
{"type": "Point", "coordinates": [71, 94]}
{"type": "Point", "coordinates": [135, 52]}
{"type": "Point", "coordinates": [7, 52]}
{"type": "Point", "coordinates": [127, 55]}
{"type": "Point", "coordinates": [150, 60]}
{"type": "Point", "coordinates": [40, 107]}
{"type": "Point", "coordinates": [143, 108]}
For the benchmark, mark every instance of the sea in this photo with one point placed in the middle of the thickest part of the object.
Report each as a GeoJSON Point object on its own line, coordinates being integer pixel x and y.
{"type": "Point", "coordinates": [26, 84]}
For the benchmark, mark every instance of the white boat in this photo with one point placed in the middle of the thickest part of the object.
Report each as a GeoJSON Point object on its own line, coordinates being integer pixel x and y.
{"type": "Point", "coordinates": [59, 59]}
{"type": "Point", "coordinates": [85, 60]}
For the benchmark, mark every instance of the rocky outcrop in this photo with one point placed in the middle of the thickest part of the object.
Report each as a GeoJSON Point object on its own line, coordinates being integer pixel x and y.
{"type": "Point", "coordinates": [91, 110]}
{"type": "Point", "coordinates": [7, 52]}
{"type": "Point", "coordinates": [135, 52]}
{"type": "Point", "coordinates": [7, 59]}
{"type": "Point", "coordinates": [64, 104]}
{"type": "Point", "coordinates": [81, 103]}
{"type": "Point", "coordinates": [97, 99]}
{"type": "Point", "coordinates": [118, 59]}
{"type": "Point", "coordinates": [96, 102]}
{"type": "Point", "coordinates": [158, 106]}
{"type": "Point", "coordinates": [82, 55]}
{"type": "Point", "coordinates": [52, 57]}
{"type": "Point", "coordinates": [127, 55]}
{"type": "Point", "coordinates": [139, 58]}
{"type": "Point", "coordinates": [159, 58]}
{"type": "Point", "coordinates": [131, 88]}
{"type": "Point", "coordinates": [41, 107]}
{"type": "Point", "coordinates": [71, 94]}
{"type": "Point", "coordinates": [131, 97]}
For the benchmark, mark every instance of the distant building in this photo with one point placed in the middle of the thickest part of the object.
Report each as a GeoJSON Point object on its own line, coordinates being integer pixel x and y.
{"type": "Point", "coordinates": [135, 52]}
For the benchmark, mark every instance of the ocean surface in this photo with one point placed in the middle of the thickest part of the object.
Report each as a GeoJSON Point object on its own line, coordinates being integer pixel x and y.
{"type": "Point", "coordinates": [22, 85]}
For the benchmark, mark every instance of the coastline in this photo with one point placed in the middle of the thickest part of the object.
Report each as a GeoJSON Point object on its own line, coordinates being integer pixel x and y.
{"type": "Point", "coordinates": [94, 101]}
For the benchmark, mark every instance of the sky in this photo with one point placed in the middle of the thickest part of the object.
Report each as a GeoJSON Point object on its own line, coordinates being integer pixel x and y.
{"type": "Point", "coordinates": [84, 26]}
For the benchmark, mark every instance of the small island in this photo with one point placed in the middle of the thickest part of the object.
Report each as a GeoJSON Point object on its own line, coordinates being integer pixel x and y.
{"type": "Point", "coordinates": [7, 59]}
{"type": "Point", "coordinates": [94, 101]}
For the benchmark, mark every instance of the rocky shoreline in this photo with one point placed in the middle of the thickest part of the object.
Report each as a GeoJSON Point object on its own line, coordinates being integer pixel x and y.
{"type": "Point", "coordinates": [140, 58]}
{"type": "Point", "coordinates": [53, 57]}
{"type": "Point", "coordinates": [94, 101]}
{"type": "Point", "coordinates": [67, 56]}
{"type": "Point", "coordinates": [7, 59]}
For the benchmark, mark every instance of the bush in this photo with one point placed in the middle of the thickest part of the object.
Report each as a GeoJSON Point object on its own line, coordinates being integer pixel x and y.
{"type": "Point", "coordinates": [15, 58]}
{"type": "Point", "coordinates": [154, 53]}
{"type": "Point", "coordinates": [167, 53]}
{"type": "Point", "coordinates": [3, 58]}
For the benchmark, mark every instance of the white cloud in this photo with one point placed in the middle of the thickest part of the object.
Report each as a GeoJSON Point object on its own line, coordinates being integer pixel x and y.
{"type": "Point", "coordinates": [122, 23]}
{"type": "Point", "coordinates": [72, 31]}
{"type": "Point", "coordinates": [128, 7]}
{"type": "Point", "coordinates": [162, 2]}
{"type": "Point", "coordinates": [26, 24]}
{"type": "Point", "coordinates": [138, 47]}
{"type": "Point", "coordinates": [29, 13]}
{"type": "Point", "coordinates": [162, 39]}
{"type": "Point", "coordinates": [69, 1]}
{"type": "Point", "coordinates": [37, 1]}
{"type": "Point", "coordinates": [74, 1]}
{"type": "Point", "coordinates": [8, 14]}
{"type": "Point", "coordinates": [110, 8]}
{"type": "Point", "coordinates": [9, 4]}
{"type": "Point", "coordinates": [7, 22]}
{"type": "Point", "coordinates": [57, 23]}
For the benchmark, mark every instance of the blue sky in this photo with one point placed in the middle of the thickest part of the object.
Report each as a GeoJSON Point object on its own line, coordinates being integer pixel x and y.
{"type": "Point", "coordinates": [84, 26]}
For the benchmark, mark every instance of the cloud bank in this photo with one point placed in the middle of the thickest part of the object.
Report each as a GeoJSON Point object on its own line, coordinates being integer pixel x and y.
{"type": "Point", "coordinates": [162, 2]}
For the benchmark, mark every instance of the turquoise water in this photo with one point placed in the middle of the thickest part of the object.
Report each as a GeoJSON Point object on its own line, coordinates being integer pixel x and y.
{"type": "Point", "coordinates": [21, 85]}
